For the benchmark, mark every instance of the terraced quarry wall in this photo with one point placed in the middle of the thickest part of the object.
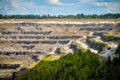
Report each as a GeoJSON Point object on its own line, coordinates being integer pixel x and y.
{"type": "Point", "coordinates": [30, 36]}
{"type": "Point", "coordinates": [24, 41]}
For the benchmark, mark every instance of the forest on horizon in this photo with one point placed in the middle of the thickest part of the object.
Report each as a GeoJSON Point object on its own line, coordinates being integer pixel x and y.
{"type": "Point", "coordinates": [77, 16]}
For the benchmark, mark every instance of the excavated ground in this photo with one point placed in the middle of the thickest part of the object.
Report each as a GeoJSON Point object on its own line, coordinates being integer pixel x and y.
{"type": "Point", "coordinates": [22, 42]}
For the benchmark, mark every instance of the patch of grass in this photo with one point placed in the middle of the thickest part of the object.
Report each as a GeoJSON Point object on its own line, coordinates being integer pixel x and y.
{"type": "Point", "coordinates": [99, 42]}
{"type": "Point", "coordinates": [112, 35]}
{"type": "Point", "coordinates": [51, 58]}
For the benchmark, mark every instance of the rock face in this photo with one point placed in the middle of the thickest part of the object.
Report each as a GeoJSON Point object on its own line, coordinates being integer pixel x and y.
{"type": "Point", "coordinates": [26, 40]}
{"type": "Point", "coordinates": [32, 37]}
{"type": "Point", "coordinates": [59, 51]}
{"type": "Point", "coordinates": [9, 66]}
{"type": "Point", "coordinates": [116, 29]}
{"type": "Point", "coordinates": [73, 47]}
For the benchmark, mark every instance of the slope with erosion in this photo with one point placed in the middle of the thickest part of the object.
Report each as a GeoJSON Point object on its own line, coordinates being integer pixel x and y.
{"type": "Point", "coordinates": [28, 40]}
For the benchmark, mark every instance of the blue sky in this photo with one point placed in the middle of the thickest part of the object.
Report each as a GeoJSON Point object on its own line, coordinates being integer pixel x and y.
{"type": "Point", "coordinates": [59, 7]}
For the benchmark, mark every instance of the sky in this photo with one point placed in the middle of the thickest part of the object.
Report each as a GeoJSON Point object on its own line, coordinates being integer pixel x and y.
{"type": "Point", "coordinates": [58, 7]}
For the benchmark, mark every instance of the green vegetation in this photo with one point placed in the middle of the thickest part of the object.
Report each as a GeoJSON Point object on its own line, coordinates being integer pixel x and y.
{"type": "Point", "coordinates": [82, 65]}
{"type": "Point", "coordinates": [100, 44]}
{"type": "Point", "coordinates": [51, 58]}
{"type": "Point", "coordinates": [78, 16]}
{"type": "Point", "coordinates": [75, 66]}
{"type": "Point", "coordinates": [118, 50]}
{"type": "Point", "coordinates": [110, 69]}
{"type": "Point", "coordinates": [112, 35]}
{"type": "Point", "coordinates": [79, 46]}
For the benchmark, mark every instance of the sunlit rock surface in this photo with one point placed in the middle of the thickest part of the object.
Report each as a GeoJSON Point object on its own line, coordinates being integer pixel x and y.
{"type": "Point", "coordinates": [22, 42]}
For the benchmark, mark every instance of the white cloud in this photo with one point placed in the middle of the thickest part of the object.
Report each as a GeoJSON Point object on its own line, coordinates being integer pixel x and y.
{"type": "Point", "coordinates": [55, 2]}
{"type": "Point", "coordinates": [109, 6]}
{"type": "Point", "coordinates": [113, 7]}
{"type": "Point", "coordinates": [19, 7]}
{"type": "Point", "coordinates": [15, 3]}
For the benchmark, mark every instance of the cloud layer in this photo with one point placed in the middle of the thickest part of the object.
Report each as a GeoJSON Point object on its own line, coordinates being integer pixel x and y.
{"type": "Point", "coordinates": [109, 5]}
{"type": "Point", "coordinates": [55, 7]}
{"type": "Point", "coordinates": [55, 1]}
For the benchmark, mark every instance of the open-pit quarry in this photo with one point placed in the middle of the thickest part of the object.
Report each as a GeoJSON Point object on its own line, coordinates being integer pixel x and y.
{"type": "Point", "coordinates": [24, 42]}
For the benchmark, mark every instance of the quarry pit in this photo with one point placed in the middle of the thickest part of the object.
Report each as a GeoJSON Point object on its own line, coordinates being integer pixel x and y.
{"type": "Point", "coordinates": [23, 42]}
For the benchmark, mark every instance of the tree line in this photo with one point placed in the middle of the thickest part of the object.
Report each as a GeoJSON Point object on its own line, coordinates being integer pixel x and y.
{"type": "Point", "coordinates": [82, 65]}
{"type": "Point", "coordinates": [77, 16]}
